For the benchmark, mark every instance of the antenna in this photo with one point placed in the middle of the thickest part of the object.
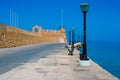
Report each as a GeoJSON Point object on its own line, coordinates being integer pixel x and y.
{"type": "Point", "coordinates": [10, 16]}
{"type": "Point", "coordinates": [17, 19]}
{"type": "Point", "coordinates": [12, 19]}
{"type": "Point", "coordinates": [61, 17]}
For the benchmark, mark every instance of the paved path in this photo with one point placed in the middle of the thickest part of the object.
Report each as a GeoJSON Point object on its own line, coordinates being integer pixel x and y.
{"type": "Point", "coordinates": [13, 57]}
{"type": "Point", "coordinates": [57, 66]}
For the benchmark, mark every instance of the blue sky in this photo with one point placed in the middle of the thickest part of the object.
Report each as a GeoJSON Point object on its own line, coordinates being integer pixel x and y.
{"type": "Point", "coordinates": [103, 17]}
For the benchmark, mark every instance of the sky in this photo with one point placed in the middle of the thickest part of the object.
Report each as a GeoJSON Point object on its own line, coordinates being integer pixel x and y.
{"type": "Point", "coordinates": [103, 17]}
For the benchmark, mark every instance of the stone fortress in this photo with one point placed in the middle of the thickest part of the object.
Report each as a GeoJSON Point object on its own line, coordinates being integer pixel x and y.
{"type": "Point", "coordinates": [12, 37]}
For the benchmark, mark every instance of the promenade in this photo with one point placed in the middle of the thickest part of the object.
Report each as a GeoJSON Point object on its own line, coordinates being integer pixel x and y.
{"type": "Point", "coordinates": [58, 65]}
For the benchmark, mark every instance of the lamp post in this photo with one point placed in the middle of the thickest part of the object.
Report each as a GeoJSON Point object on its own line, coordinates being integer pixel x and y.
{"type": "Point", "coordinates": [69, 33]}
{"type": "Point", "coordinates": [84, 8]}
{"type": "Point", "coordinates": [72, 46]}
{"type": "Point", "coordinates": [74, 37]}
{"type": "Point", "coordinates": [84, 61]}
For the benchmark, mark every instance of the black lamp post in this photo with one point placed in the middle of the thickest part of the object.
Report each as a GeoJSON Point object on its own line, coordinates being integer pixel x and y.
{"type": "Point", "coordinates": [69, 33]}
{"type": "Point", "coordinates": [71, 49]}
{"type": "Point", "coordinates": [72, 46]}
{"type": "Point", "coordinates": [74, 37]}
{"type": "Point", "coordinates": [84, 8]}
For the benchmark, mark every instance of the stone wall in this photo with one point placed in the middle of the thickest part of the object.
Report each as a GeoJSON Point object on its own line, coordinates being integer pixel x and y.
{"type": "Point", "coordinates": [11, 37]}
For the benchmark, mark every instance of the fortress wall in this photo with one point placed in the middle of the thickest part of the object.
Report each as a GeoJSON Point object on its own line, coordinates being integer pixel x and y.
{"type": "Point", "coordinates": [11, 37]}
{"type": "Point", "coordinates": [52, 35]}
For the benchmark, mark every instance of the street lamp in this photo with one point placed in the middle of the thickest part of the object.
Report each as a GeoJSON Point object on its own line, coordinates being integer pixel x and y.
{"type": "Point", "coordinates": [69, 37]}
{"type": "Point", "coordinates": [72, 46]}
{"type": "Point", "coordinates": [84, 8]}
{"type": "Point", "coordinates": [71, 50]}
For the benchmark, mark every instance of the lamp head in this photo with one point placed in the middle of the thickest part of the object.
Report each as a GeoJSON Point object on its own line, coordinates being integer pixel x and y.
{"type": "Point", "coordinates": [84, 7]}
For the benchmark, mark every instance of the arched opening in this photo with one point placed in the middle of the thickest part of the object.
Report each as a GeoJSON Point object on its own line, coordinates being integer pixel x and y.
{"type": "Point", "coordinates": [36, 30]}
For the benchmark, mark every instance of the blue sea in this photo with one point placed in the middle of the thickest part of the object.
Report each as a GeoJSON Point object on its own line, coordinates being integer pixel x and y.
{"type": "Point", "coordinates": [106, 54]}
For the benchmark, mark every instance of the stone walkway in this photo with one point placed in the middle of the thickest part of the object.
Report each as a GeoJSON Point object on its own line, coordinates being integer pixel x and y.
{"type": "Point", "coordinates": [57, 66]}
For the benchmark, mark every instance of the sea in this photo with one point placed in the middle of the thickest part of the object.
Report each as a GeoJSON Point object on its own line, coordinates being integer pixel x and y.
{"type": "Point", "coordinates": [106, 54]}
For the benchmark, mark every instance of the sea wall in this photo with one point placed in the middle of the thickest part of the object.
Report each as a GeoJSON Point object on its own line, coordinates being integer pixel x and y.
{"type": "Point", "coordinates": [11, 37]}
